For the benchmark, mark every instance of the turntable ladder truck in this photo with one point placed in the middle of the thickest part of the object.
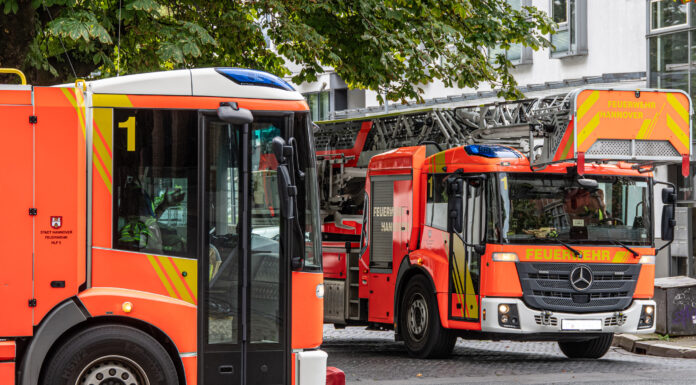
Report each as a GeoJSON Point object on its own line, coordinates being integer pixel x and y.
{"type": "Point", "coordinates": [531, 219]}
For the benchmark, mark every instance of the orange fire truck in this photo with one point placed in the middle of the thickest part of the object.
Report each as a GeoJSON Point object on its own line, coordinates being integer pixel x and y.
{"type": "Point", "coordinates": [531, 219]}
{"type": "Point", "coordinates": [160, 228]}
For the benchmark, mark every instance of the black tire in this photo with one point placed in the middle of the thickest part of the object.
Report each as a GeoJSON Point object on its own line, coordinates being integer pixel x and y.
{"type": "Point", "coordinates": [594, 348]}
{"type": "Point", "coordinates": [420, 325]}
{"type": "Point", "coordinates": [110, 350]}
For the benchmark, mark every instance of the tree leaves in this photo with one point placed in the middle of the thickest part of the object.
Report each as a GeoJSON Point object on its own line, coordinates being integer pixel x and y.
{"type": "Point", "coordinates": [79, 25]}
{"type": "Point", "coordinates": [394, 47]}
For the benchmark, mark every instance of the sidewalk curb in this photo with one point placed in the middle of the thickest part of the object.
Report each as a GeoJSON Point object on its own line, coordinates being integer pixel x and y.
{"type": "Point", "coordinates": [637, 345]}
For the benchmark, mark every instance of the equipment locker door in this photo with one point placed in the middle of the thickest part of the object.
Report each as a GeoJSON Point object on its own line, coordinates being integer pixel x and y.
{"type": "Point", "coordinates": [386, 242]}
{"type": "Point", "coordinates": [243, 275]}
{"type": "Point", "coordinates": [16, 243]}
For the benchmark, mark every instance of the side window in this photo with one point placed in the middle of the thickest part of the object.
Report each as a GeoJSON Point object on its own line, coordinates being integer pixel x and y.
{"type": "Point", "coordinates": [475, 212]}
{"type": "Point", "coordinates": [436, 206]}
{"type": "Point", "coordinates": [155, 181]}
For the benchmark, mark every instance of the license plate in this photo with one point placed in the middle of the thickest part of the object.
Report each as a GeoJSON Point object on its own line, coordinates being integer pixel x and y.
{"type": "Point", "coordinates": [581, 324]}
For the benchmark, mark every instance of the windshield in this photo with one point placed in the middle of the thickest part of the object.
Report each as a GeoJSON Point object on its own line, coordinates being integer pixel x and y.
{"type": "Point", "coordinates": [554, 207]}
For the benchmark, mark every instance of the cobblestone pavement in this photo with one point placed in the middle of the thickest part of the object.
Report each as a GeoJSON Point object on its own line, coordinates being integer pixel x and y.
{"type": "Point", "coordinates": [373, 357]}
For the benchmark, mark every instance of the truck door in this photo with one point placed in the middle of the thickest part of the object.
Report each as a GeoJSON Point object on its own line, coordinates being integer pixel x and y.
{"type": "Point", "coordinates": [16, 157]}
{"type": "Point", "coordinates": [243, 277]}
{"type": "Point", "coordinates": [464, 260]}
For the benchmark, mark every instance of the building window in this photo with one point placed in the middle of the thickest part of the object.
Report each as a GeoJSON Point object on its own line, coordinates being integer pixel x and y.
{"type": "Point", "coordinates": [517, 53]}
{"type": "Point", "coordinates": [318, 105]}
{"type": "Point", "coordinates": [667, 14]}
{"type": "Point", "coordinates": [671, 45]}
{"type": "Point", "coordinates": [570, 38]}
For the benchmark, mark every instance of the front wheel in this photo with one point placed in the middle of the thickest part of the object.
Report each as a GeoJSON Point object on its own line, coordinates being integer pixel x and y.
{"type": "Point", "coordinates": [422, 331]}
{"type": "Point", "coordinates": [594, 348]}
{"type": "Point", "coordinates": [110, 354]}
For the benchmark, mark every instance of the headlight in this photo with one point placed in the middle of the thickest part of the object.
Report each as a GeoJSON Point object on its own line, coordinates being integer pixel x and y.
{"type": "Point", "coordinates": [505, 257]}
{"type": "Point", "coordinates": [320, 290]}
{"type": "Point", "coordinates": [508, 316]}
{"type": "Point", "coordinates": [647, 317]}
{"type": "Point", "coordinates": [647, 260]}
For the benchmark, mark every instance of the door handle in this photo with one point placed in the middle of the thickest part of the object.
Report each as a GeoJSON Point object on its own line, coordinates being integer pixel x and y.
{"type": "Point", "coordinates": [226, 369]}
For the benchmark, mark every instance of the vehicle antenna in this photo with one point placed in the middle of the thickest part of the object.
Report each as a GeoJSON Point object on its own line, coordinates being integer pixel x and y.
{"type": "Point", "coordinates": [61, 40]}
{"type": "Point", "coordinates": [118, 52]}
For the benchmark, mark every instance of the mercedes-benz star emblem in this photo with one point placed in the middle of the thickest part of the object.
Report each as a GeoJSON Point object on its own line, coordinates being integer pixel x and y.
{"type": "Point", "coordinates": [581, 278]}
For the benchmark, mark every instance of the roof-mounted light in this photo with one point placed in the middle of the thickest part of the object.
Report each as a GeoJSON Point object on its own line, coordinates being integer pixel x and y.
{"type": "Point", "coordinates": [249, 77]}
{"type": "Point", "coordinates": [491, 151]}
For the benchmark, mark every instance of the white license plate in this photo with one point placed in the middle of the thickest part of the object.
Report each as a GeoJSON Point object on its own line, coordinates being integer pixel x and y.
{"type": "Point", "coordinates": [581, 324]}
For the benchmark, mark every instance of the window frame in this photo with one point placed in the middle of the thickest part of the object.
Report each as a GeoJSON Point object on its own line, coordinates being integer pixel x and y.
{"type": "Point", "coordinates": [671, 28]}
{"type": "Point", "coordinates": [526, 53]}
{"type": "Point", "coordinates": [579, 33]}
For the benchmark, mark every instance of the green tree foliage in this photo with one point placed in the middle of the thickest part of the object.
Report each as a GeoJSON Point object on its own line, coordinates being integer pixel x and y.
{"type": "Point", "coordinates": [390, 46]}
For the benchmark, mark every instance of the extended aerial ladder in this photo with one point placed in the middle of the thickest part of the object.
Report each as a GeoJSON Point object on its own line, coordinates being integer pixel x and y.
{"type": "Point", "coordinates": [607, 125]}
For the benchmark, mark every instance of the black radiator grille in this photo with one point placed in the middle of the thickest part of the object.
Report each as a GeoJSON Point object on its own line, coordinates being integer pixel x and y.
{"type": "Point", "coordinates": [546, 286]}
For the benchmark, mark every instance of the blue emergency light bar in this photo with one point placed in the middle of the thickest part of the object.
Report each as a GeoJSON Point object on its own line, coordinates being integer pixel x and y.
{"type": "Point", "coordinates": [491, 151]}
{"type": "Point", "coordinates": [245, 76]}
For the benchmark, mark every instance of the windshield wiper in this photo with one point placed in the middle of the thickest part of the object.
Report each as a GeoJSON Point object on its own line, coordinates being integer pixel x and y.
{"type": "Point", "coordinates": [635, 254]}
{"type": "Point", "coordinates": [567, 246]}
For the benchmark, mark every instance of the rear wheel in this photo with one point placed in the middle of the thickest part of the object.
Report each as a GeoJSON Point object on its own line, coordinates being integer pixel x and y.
{"type": "Point", "coordinates": [421, 329]}
{"type": "Point", "coordinates": [110, 355]}
{"type": "Point", "coordinates": [594, 348]}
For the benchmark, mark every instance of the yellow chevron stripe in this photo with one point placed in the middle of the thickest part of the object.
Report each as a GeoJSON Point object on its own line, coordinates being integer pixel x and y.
{"type": "Point", "coordinates": [104, 118]}
{"type": "Point", "coordinates": [587, 104]}
{"type": "Point", "coordinates": [79, 108]}
{"type": "Point", "coordinates": [190, 266]}
{"type": "Point", "coordinates": [620, 257]}
{"type": "Point", "coordinates": [458, 248]}
{"type": "Point", "coordinates": [103, 124]}
{"type": "Point", "coordinates": [101, 151]}
{"type": "Point", "coordinates": [79, 96]}
{"type": "Point", "coordinates": [644, 129]}
{"type": "Point", "coordinates": [102, 173]}
{"type": "Point", "coordinates": [678, 107]}
{"type": "Point", "coordinates": [104, 100]}
{"type": "Point", "coordinates": [161, 276]}
{"type": "Point", "coordinates": [588, 129]}
{"type": "Point", "coordinates": [568, 146]}
{"type": "Point", "coordinates": [439, 161]}
{"type": "Point", "coordinates": [677, 131]}
{"type": "Point", "coordinates": [176, 279]}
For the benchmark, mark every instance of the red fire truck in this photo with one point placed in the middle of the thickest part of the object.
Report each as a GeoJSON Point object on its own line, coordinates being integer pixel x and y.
{"type": "Point", "coordinates": [160, 228]}
{"type": "Point", "coordinates": [531, 220]}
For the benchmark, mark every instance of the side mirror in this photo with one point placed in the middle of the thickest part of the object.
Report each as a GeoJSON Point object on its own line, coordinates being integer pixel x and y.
{"type": "Point", "coordinates": [455, 205]}
{"type": "Point", "coordinates": [589, 184]}
{"type": "Point", "coordinates": [668, 195]}
{"type": "Point", "coordinates": [287, 192]}
{"type": "Point", "coordinates": [668, 222]}
{"type": "Point", "coordinates": [231, 113]}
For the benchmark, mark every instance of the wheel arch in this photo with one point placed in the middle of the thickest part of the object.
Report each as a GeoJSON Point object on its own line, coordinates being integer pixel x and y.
{"type": "Point", "coordinates": [153, 331]}
{"type": "Point", "coordinates": [71, 317]}
{"type": "Point", "coordinates": [406, 272]}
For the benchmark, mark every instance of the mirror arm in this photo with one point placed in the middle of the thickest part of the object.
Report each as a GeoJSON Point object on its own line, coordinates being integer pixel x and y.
{"type": "Point", "coordinates": [674, 210]}
{"type": "Point", "coordinates": [481, 249]}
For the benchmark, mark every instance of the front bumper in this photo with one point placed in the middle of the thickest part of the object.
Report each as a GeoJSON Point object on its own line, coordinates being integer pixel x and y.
{"type": "Point", "coordinates": [538, 322]}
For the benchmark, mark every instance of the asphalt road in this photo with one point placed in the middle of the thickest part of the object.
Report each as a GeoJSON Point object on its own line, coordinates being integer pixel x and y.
{"type": "Point", "coordinates": [372, 357]}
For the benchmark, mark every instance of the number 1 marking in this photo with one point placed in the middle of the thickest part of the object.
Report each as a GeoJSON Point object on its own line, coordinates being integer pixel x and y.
{"type": "Point", "coordinates": [129, 124]}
